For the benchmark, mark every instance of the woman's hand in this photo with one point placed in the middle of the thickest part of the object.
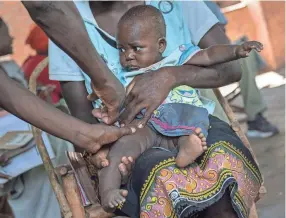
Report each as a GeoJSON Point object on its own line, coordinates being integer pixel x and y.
{"type": "Point", "coordinates": [93, 137]}
{"type": "Point", "coordinates": [112, 96]}
{"type": "Point", "coordinates": [146, 91]}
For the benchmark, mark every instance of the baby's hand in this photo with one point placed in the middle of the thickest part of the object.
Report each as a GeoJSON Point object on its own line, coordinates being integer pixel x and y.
{"type": "Point", "coordinates": [244, 49]}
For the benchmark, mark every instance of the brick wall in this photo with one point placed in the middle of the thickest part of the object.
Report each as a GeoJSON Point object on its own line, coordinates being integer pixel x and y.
{"type": "Point", "coordinates": [275, 18]}
{"type": "Point", "coordinates": [19, 23]}
{"type": "Point", "coordinates": [265, 22]}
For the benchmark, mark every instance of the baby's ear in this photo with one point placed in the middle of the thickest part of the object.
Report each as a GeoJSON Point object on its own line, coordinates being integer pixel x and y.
{"type": "Point", "coordinates": [162, 44]}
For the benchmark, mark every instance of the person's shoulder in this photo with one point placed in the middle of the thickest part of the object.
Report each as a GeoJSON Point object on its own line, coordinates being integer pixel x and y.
{"type": "Point", "coordinates": [85, 11]}
{"type": "Point", "coordinates": [166, 7]}
{"type": "Point", "coordinates": [196, 8]}
{"type": "Point", "coordinates": [198, 19]}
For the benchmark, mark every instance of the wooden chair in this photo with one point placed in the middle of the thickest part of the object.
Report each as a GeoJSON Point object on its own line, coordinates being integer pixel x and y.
{"type": "Point", "coordinates": [63, 179]}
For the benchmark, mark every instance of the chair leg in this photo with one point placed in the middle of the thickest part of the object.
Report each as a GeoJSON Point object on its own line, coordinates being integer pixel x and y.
{"type": "Point", "coordinates": [73, 195]}
{"type": "Point", "coordinates": [64, 206]}
{"type": "Point", "coordinates": [65, 209]}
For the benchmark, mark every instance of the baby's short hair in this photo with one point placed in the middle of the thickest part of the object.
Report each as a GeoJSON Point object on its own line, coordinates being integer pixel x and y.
{"type": "Point", "coordinates": [150, 15]}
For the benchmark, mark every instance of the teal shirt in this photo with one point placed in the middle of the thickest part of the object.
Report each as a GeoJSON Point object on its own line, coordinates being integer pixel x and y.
{"type": "Point", "coordinates": [178, 32]}
{"type": "Point", "coordinates": [187, 22]}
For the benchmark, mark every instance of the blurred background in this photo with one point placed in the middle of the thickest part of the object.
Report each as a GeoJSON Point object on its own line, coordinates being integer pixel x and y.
{"type": "Point", "coordinates": [262, 21]}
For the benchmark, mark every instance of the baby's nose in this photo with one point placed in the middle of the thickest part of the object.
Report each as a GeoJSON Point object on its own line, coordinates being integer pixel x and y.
{"type": "Point", "coordinates": [129, 56]}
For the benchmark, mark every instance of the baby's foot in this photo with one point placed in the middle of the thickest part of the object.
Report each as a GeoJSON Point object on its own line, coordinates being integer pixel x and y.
{"type": "Point", "coordinates": [112, 199]}
{"type": "Point", "coordinates": [190, 148]}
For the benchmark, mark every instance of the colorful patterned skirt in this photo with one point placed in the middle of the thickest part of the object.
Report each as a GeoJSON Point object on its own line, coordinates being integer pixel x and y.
{"type": "Point", "coordinates": [157, 188]}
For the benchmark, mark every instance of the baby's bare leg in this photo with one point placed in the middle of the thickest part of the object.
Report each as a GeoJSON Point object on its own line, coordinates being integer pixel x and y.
{"type": "Point", "coordinates": [110, 177]}
{"type": "Point", "coordinates": [190, 148]}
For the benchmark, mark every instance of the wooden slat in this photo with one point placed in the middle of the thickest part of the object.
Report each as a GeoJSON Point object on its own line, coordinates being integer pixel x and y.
{"type": "Point", "coordinates": [64, 206]}
{"type": "Point", "coordinates": [73, 195]}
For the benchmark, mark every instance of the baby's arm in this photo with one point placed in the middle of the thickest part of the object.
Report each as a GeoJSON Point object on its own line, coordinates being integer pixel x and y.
{"type": "Point", "coordinates": [218, 54]}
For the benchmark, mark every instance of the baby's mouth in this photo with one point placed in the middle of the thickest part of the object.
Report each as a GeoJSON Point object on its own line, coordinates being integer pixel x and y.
{"type": "Point", "coordinates": [132, 68]}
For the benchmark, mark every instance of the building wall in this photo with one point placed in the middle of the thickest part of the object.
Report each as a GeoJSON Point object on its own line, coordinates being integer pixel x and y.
{"type": "Point", "coordinates": [275, 17]}
{"type": "Point", "coordinates": [265, 22]}
{"type": "Point", "coordinates": [244, 21]}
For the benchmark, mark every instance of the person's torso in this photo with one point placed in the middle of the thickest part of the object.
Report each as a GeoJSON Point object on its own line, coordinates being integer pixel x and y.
{"type": "Point", "coordinates": [176, 34]}
{"type": "Point", "coordinates": [216, 11]}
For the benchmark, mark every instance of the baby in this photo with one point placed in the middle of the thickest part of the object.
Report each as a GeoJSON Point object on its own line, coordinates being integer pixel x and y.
{"type": "Point", "coordinates": [183, 116]}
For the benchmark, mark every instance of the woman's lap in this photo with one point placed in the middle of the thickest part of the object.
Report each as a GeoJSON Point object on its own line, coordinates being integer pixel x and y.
{"type": "Point", "coordinates": [158, 188]}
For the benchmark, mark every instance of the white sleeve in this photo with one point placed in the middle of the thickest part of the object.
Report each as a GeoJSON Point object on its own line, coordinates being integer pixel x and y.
{"type": "Point", "coordinates": [198, 18]}
{"type": "Point", "coordinates": [61, 66]}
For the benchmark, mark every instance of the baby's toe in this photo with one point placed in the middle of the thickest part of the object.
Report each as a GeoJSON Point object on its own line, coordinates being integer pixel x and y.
{"type": "Point", "coordinates": [111, 205]}
{"type": "Point", "coordinates": [198, 130]}
{"type": "Point", "coordinates": [124, 193]}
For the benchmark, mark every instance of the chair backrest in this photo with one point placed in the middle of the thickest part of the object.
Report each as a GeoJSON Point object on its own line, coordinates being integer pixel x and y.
{"type": "Point", "coordinates": [64, 206]}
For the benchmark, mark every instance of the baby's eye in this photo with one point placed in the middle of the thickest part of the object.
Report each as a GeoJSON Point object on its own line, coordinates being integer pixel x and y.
{"type": "Point", "coordinates": [137, 48]}
{"type": "Point", "coordinates": [121, 49]}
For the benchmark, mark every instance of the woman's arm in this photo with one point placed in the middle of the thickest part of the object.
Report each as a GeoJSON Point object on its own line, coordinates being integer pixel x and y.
{"type": "Point", "coordinates": [217, 36]}
{"type": "Point", "coordinates": [27, 106]}
{"type": "Point", "coordinates": [63, 24]}
{"type": "Point", "coordinates": [150, 90]}
{"type": "Point", "coordinates": [203, 77]}
{"type": "Point", "coordinates": [206, 30]}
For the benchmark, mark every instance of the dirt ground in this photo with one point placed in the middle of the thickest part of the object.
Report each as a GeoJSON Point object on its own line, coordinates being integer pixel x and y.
{"type": "Point", "coordinates": [271, 154]}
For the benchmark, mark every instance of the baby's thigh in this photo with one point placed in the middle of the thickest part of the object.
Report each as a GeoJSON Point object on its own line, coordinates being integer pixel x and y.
{"type": "Point", "coordinates": [168, 142]}
{"type": "Point", "coordinates": [132, 145]}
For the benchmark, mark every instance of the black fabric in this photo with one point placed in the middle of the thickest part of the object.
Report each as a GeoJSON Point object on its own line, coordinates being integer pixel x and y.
{"type": "Point", "coordinates": [219, 131]}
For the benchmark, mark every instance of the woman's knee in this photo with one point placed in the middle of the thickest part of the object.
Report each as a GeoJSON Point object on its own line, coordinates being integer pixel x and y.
{"type": "Point", "coordinates": [221, 209]}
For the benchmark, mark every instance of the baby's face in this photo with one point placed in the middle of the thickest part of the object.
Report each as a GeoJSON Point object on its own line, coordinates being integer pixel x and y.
{"type": "Point", "coordinates": [138, 46]}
